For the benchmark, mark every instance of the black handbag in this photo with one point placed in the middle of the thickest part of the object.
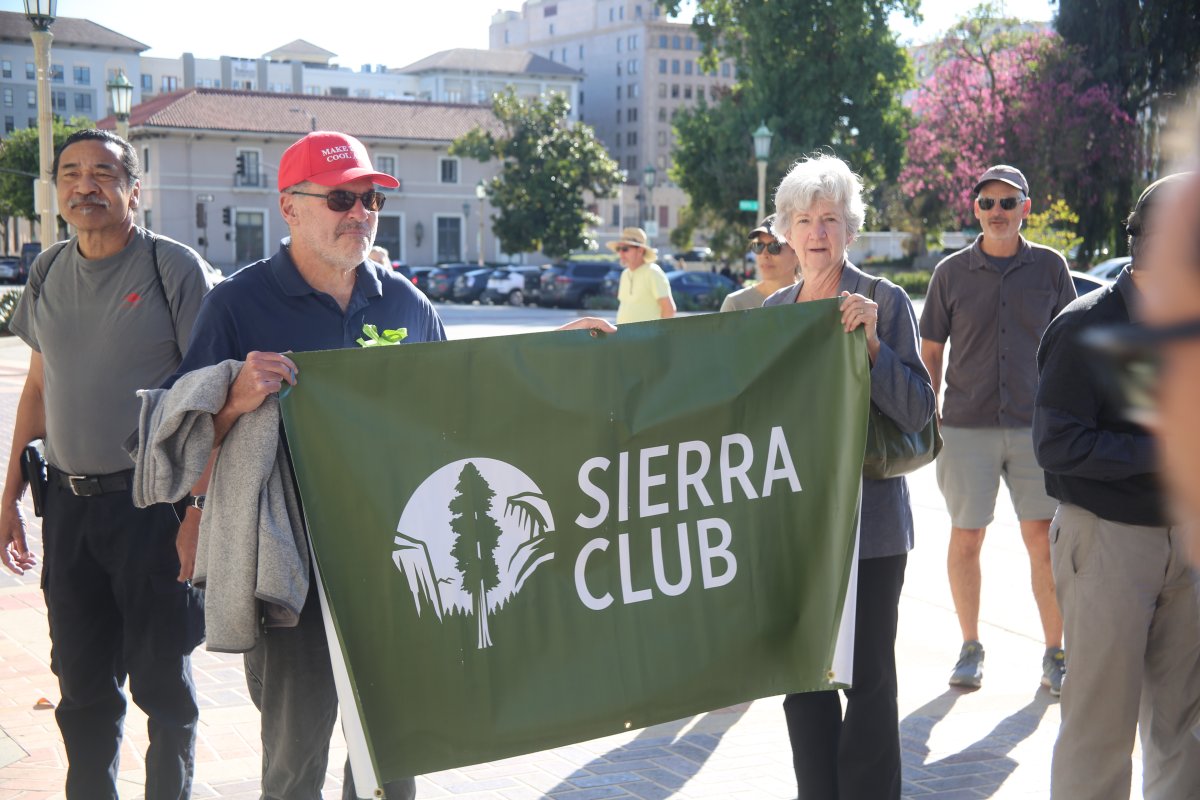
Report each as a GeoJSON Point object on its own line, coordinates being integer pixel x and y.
{"type": "Point", "coordinates": [33, 467]}
{"type": "Point", "coordinates": [892, 452]}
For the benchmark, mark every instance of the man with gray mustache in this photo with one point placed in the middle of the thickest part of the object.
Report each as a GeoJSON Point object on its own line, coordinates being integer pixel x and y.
{"type": "Point", "coordinates": [107, 312]}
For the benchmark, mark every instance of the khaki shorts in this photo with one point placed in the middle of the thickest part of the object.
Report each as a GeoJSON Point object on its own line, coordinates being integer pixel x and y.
{"type": "Point", "coordinates": [969, 469]}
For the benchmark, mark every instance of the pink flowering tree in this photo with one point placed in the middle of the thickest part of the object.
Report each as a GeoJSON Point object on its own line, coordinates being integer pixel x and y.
{"type": "Point", "coordinates": [996, 95]}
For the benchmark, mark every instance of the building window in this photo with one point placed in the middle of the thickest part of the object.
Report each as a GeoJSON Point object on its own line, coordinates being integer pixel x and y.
{"type": "Point", "coordinates": [618, 69]}
{"type": "Point", "coordinates": [621, 12]}
{"type": "Point", "coordinates": [147, 82]}
{"type": "Point", "coordinates": [662, 40]}
{"type": "Point", "coordinates": [662, 114]}
{"type": "Point", "coordinates": [618, 116]}
{"type": "Point", "coordinates": [633, 91]}
{"type": "Point", "coordinates": [633, 42]}
{"type": "Point", "coordinates": [31, 122]}
{"type": "Point", "coordinates": [8, 98]}
{"type": "Point", "coordinates": [31, 98]}
{"type": "Point", "coordinates": [386, 165]}
{"type": "Point", "coordinates": [146, 219]}
{"type": "Point", "coordinates": [6, 69]}
{"type": "Point", "coordinates": [637, 11]}
{"type": "Point", "coordinates": [618, 92]}
{"type": "Point", "coordinates": [618, 44]}
{"type": "Point", "coordinates": [611, 15]}
{"type": "Point", "coordinates": [449, 170]}
{"type": "Point", "coordinates": [687, 68]}
{"type": "Point", "coordinates": [550, 11]}
{"type": "Point", "coordinates": [662, 90]}
{"type": "Point", "coordinates": [725, 70]}
{"type": "Point", "coordinates": [662, 66]}
{"type": "Point", "coordinates": [631, 139]}
{"type": "Point", "coordinates": [83, 102]}
{"type": "Point", "coordinates": [675, 66]}
{"type": "Point", "coordinates": [58, 101]}
{"type": "Point", "coordinates": [632, 162]}
{"type": "Point", "coordinates": [687, 43]}
{"type": "Point", "coordinates": [10, 124]}
{"type": "Point", "coordinates": [248, 172]}
{"type": "Point", "coordinates": [616, 214]}
{"type": "Point", "coordinates": [170, 83]}
{"type": "Point", "coordinates": [30, 71]}
{"type": "Point", "coordinates": [633, 115]}
{"type": "Point", "coordinates": [674, 42]}
{"type": "Point", "coordinates": [56, 73]}
{"type": "Point", "coordinates": [551, 29]}
{"type": "Point", "coordinates": [662, 137]}
{"type": "Point", "coordinates": [82, 76]}
{"type": "Point", "coordinates": [687, 92]}
{"type": "Point", "coordinates": [581, 54]}
{"type": "Point", "coordinates": [145, 159]}
{"type": "Point", "coordinates": [618, 139]}
{"type": "Point", "coordinates": [564, 55]}
{"type": "Point", "coordinates": [632, 66]}
{"type": "Point", "coordinates": [506, 36]}
{"type": "Point", "coordinates": [675, 90]}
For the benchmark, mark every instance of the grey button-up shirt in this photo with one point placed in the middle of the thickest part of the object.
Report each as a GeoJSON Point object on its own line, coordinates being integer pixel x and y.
{"type": "Point", "coordinates": [995, 320]}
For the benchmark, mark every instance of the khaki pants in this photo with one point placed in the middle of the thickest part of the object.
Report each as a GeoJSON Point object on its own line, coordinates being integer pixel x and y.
{"type": "Point", "coordinates": [1131, 618]}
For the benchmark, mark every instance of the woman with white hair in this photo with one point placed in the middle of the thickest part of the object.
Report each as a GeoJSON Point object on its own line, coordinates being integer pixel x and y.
{"type": "Point", "coordinates": [818, 211]}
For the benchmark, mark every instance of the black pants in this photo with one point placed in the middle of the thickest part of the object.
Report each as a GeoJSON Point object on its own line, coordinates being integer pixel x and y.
{"type": "Point", "coordinates": [116, 610]}
{"type": "Point", "coordinates": [856, 757]}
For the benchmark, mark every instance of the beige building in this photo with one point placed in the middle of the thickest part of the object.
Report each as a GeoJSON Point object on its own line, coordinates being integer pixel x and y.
{"type": "Point", "coordinates": [211, 158]}
{"type": "Point", "coordinates": [639, 70]}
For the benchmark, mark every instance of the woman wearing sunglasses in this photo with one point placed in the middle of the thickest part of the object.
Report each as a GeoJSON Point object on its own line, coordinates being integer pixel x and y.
{"type": "Point", "coordinates": [777, 269]}
{"type": "Point", "coordinates": [819, 209]}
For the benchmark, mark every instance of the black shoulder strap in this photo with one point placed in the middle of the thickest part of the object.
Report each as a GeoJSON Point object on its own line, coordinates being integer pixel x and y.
{"type": "Point", "coordinates": [162, 287]}
{"type": "Point", "coordinates": [57, 252]}
{"type": "Point", "coordinates": [871, 291]}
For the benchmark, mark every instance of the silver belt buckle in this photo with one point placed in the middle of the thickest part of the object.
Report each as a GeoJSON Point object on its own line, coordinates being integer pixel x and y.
{"type": "Point", "coordinates": [83, 486]}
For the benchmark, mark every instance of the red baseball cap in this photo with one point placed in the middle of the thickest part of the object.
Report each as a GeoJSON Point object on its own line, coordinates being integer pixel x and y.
{"type": "Point", "coordinates": [329, 158]}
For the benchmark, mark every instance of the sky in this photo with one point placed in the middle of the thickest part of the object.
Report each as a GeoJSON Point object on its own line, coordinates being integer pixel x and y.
{"type": "Point", "coordinates": [391, 32]}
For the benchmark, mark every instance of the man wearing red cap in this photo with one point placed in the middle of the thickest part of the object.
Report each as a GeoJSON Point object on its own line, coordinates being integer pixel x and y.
{"type": "Point", "coordinates": [993, 300]}
{"type": "Point", "coordinates": [315, 293]}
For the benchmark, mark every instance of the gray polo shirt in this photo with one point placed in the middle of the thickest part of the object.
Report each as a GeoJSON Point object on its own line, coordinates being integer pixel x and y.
{"type": "Point", "coordinates": [995, 319]}
{"type": "Point", "coordinates": [106, 327]}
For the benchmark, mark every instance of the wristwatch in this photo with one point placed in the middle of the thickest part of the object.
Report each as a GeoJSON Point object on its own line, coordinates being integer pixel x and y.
{"type": "Point", "coordinates": [196, 501]}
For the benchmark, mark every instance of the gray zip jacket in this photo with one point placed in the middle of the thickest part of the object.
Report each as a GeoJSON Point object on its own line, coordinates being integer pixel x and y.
{"type": "Point", "coordinates": [252, 548]}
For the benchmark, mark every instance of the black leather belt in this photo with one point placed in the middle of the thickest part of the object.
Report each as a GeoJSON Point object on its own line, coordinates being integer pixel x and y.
{"type": "Point", "coordinates": [93, 485]}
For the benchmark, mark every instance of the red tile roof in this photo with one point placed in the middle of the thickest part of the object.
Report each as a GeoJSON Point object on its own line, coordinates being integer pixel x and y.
{"type": "Point", "coordinates": [265, 112]}
{"type": "Point", "coordinates": [68, 32]}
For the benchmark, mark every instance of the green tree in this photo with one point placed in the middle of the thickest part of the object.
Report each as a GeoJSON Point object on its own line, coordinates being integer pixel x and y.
{"type": "Point", "coordinates": [549, 166]}
{"type": "Point", "coordinates": [19, 165]}
{"type": "Point", "coordinates": [474, 548]}
{"type": "Point", "coordinates": [1055, 227]}
{"type": "Point", "coordinates": [822, 75]}
{"type": "Point", "coordinates": [1148, 52]}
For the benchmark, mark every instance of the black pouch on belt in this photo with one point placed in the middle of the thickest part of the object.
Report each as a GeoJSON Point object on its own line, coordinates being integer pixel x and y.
{"type": "Point", "coordinates": [33, 467]}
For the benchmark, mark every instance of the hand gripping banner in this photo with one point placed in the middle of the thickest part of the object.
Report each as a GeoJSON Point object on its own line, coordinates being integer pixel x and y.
{"type": "Point", "coordinates": [532, 540]}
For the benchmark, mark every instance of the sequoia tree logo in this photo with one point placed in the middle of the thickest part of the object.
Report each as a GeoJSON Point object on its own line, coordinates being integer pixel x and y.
{"type": "Point", "coordinates": [470, 536]}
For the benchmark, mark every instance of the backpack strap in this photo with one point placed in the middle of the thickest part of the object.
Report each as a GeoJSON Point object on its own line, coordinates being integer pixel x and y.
{"type": "Point", "coordinates": [57, 248]}
{"type": "Point", "coordinates": [871, 291]}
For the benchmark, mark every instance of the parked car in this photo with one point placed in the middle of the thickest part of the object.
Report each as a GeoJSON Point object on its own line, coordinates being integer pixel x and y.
{"type": "Point", "coordinates": [513, 285]}
{"type": "Point", "coordinates": [402, 268]}
{"type": "Point", "coordinates": [29, 251]}
{"type": "Point", "coordinates": [10, 269]}
{"type": "Point", "coordinates": [612, 282]}
{"type": "Point", "coordinates": [695, 259]}
{"type": "Point", "coordinates": [570, 283]}
{"type": "Point", "coordinates": [1085, 283]}
{"type": "Point", "coordinates": [440, 283]}
{"type": "Point", "coordinates": [420, 277]}
{"type": "Point", "coordinates": [1110, 268]}
{"type": "Point", "coordinates": [469, 286]}
{"type": "Point", "coordinates": [699, 290]}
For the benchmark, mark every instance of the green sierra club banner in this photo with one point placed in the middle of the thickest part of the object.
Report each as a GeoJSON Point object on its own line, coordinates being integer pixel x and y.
{"type": "Point", "coordinates": [533, 540]}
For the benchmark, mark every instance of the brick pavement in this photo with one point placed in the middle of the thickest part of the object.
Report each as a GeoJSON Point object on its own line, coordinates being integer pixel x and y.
{"type": "Point", "coordinates": [995, 742]}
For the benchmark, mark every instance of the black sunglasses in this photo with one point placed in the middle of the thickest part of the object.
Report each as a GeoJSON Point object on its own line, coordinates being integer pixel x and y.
{"type": "Point", "coordinates": [1007, 203]}
{"type": "Point", "coordinates": [342, 200]}
{"type": "Point", "coordinates": [1131, 362]}
{"type": "Point", "coordinates": [774, 248]}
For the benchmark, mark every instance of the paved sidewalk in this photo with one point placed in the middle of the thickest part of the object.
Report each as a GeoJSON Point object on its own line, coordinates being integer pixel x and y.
{"type": "Point", "coordinates": [995, 742]}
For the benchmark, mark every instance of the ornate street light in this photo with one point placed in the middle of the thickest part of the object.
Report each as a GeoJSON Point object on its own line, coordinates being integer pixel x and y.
{"type": "Point", "coordinates": [120, 96]}
{"type": "Point", "coordinates": [41, 14]}
{"type": "Point", "coordinates": [762, 149]}
{"type": "Point", "coordinates": [649, 176]}
{"type": "Point", "coordinates": [480, 195]}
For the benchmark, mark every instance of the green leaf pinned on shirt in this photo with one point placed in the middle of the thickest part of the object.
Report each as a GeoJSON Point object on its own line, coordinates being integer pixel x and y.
{"type": "Point", "coordinates": [373, 338]}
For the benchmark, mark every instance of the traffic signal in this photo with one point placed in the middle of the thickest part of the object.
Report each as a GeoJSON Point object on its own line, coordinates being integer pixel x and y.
{"type": "Point", "coordinates": [201, 216]}
{"type": "Point", "coordinates": [241, 164]}
{"type": "Point", "coordinates": [227, 215]}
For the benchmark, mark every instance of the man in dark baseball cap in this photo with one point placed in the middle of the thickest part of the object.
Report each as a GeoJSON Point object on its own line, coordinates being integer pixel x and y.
{"type": "Point", "coordinates": [994, 299]}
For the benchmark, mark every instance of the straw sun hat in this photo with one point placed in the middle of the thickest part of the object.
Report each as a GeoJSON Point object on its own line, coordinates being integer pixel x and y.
{"type": "Point", "coordinates": [637, 238]}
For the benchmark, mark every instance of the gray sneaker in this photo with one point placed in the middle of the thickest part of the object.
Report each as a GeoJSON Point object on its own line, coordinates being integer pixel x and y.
{"type": "Point", "coordinates": [968, 672]}
{"type": "Point", "coordinates": [1054, 669]}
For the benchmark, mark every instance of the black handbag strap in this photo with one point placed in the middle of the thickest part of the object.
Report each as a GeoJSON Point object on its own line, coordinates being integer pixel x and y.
{"type": "Point", "coordinates": [871, 289]}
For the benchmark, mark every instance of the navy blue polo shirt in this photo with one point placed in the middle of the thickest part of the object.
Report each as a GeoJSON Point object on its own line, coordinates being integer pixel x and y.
{"type": "Point", "coordinates": [267, 306]}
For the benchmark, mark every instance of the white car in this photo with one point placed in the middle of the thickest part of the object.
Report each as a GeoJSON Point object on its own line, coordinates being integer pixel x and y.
{"type": "Point", "coordinates": [1110, 268]}
{"type": "Point", "coordinates": [513, 285]}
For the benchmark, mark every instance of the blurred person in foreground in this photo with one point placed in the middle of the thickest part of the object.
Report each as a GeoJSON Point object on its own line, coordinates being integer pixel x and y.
{"type": "Point", "coordinates": [380, 256]}
{"type": "Point", "coordinates": [777, 269]}
{"type": "Point", "coordinates": [644, 293]}
{"type": "Point", "coordinates": [1127, 593]}
{"type": "Point", "coordinates": [992, 301]}
{"type": "Point", "coordinates": [856, 756]}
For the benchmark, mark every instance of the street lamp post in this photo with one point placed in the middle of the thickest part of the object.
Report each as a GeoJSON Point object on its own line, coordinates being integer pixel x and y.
{"type": "Point", "coordinates": [120, 95]}
{"type": "Point", "coordinates": [40, 14]}
{"type": "Point", "coordinates": [762, 149]}
{"type": "Point", "coordinates": [648, 176]}
{"type": "Point", "coordinates": [480, 195]}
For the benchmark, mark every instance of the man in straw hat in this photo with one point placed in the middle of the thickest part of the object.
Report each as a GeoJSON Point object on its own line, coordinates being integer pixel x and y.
{"type": "Point", "coordinates": [645, 293]}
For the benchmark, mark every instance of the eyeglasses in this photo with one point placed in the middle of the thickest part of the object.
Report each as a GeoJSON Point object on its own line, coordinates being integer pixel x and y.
{"type": "Point", "coordinates": [1007, 203]}
{"type": "Point", "coordinates": [774, 248]}
{"type": "Point", "coordinates": [341, 200]}
{"type": "Point", "coordinates": [1131, 364]}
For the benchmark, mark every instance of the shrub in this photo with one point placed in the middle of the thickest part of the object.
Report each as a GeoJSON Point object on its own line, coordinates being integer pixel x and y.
{"type": "Point", "coordinates": [8, 305]}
